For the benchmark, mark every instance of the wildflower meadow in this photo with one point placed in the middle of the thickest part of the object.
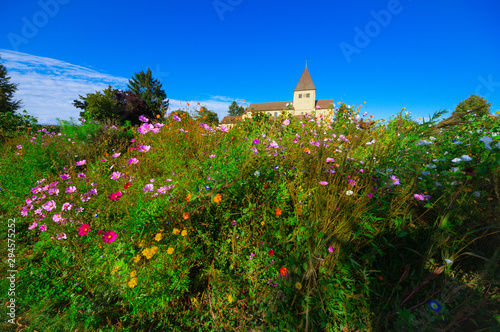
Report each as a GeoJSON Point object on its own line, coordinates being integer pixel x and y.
{"type": "Point", "coordinates": [279, 224]}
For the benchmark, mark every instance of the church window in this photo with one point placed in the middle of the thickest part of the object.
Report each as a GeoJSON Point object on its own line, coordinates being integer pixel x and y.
{"type": "Point", "coordinates": [307, 95]}
{"type": "Point", "coordinates": [275, 114]}
{"type": "Point", "coordinates": [300, 95]}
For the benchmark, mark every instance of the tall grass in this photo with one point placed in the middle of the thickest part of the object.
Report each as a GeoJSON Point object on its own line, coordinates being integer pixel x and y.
{"type": "Point", "coordinates": [273, 225]}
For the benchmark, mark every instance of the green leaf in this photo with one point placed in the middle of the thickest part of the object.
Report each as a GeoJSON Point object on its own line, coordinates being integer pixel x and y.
{"type": "Point", "coordinates": [402, 234]}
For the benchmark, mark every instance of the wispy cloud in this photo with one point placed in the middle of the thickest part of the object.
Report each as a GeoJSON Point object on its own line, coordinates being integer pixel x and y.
{"type": "Point", "coordinates": [47, 87]}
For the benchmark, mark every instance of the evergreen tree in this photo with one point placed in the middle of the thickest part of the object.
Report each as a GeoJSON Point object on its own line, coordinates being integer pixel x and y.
{"type": "Point", "coordinates": [235, 110]}
{"type": "Point", "coordinates": [150, 90]}
{"type": "Point", "coordinates": [7, 90]}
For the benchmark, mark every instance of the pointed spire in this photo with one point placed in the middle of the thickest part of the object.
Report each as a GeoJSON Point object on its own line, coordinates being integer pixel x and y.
{"type": "Point", "coordinates": [306, 63]}
{"type": "Point", "coordinates": [305, 82]}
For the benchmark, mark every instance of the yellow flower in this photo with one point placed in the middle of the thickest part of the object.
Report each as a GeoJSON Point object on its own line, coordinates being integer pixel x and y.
{"type": "Point", "coordinates": [158, 237]}
{"type": "Point", "coordinates": [262, 223]}
{"type": "Point", "coordinates": [170, 251]}
{"type": "Point", "coordinates": [115, 269]}
{"type": "Point", "coordinates": [176, 231]}
{"type": "Point", "coordinates": [137, 258]}
{"type": "Point", "coordinates": [184, 233]}
{"type": "Point", "coordinates": [149, 252]}
{"type": "Point", "coordinates": [132, 283]}
{"type": "Point", "coordinates": [230, 298]}
{"type": "Point", "coordinates": [133, 274]}
{"type": "Point", "coordinates": [298, 285]}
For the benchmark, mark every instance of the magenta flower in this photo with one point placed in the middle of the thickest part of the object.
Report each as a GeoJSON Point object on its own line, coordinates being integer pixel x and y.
{"type": "Point", "coordinates": [81, 176]}
{"type": "Point", "coordinates": [49, 206]}
{"type": "Point", "coordinates": [132, 140]}
{"type": "Point", "coordinates": [420, 197]}
{"type": "Point", "coordinates": [176, 118]}
{"type": "Point", "coordinates": [67, 206]}
{"type": "Point", "coordinates": [133, 161]}
{"type": "Point", "coordinates": [115, 155]}
{"type": "Point", "coordinates": [43, 228]}
{"type": "Point", "coordinates": [115, 196]}
{"type": "Point", "coordinates": [84, 229]}
{"type": "Point", "coordinates": [53, 191]}
{"type": "Point", "coordinates": [61, 236]}
{"type": "Point", "coordinates": [57, 218]}
{"type": "Point", "coordinates": [330, 249]}
{"type": "Point", "coordinates": [142, 118]}
{"type": "Point", "coordinates": [162, 190]}
{"type": "Point", "coordinates": [256, 141]}
{"type": "Point", "coordinates": [115, 175]}
{"type": "Point", "coordinates": [144, 148]}
{"type": "Point", "coordinates": [395, 180]}
{"type": "Point", "coordinates": [33, 225]}
{"type": "Point", "coordinates": [109, 237]}
{"type": "Point", "coordinates": [370, 195]}
{"type": "Point", "coordinates": [148, 187]}
{"type": "Point", "coordinates": [71, 189]}
{"type": "Point", "coordinates": [330, 160]}
{"type": "Point", "coordinates": [65, 176]}
{"type": "Point", "coordinates": [323, 183]}
{"type": "Point", "coordinates": [211, 156]}
{"type": "Point", "coordinates": [103, 159]}
{"type": "Point", "coordinates": [81, 162]}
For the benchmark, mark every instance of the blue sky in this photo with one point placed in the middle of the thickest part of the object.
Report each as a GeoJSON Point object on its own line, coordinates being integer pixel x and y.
{"type": "Point", "coordinates": [422, 55]}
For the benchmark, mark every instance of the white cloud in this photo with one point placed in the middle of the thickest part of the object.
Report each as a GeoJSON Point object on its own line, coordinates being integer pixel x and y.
{"type": "Point", "coordinates": [47, 87]}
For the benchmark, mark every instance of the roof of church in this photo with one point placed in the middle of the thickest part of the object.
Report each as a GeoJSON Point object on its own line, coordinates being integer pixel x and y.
{"type": "Point", "coordinates": [305, 82]}
{"type": "Point", "coordinates": [281, 105]}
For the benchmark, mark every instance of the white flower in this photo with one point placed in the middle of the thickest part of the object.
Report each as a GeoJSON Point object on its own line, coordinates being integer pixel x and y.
{"type": "Point", "coordinates": [349, 192]}
{"type": "Point", "coordinates": [426, 173]}
{"type": "Point", "coordinates": [476, 194]}
{"type": "Point", "coordinates": [372, 142]}
{"type": "Point", "coordinates": [257, 173]}
{"type": "Point", "coordinates": [432, 138]}
{"type": "Point", "coordinates": [448, 261]}
{"type": "Point", "coordinates": [458, 142]}
{"type": "Point", "coordinates": [430, 166]}
{"type": "Point", "coordinates": [446, 153]}
{"type": "Point", "coordinates": [424, 142]}
{"type": "Point", "coordinates": [466, 158]}
{"type": "Point", "coordinates": [456, 160]}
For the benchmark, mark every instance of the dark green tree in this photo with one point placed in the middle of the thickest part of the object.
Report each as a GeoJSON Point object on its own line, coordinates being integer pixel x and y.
{"type": "Point", "coordinates": [99, 105]}
{"type": "Point", "coordinates": [477, 104]}
{"type": "Point", "coordinates": [150, 90]}
{"type": "Point", "coordinates": [235, 110]}
{"type": "Point", "coordinates": [7, 90]}
{"type": "Point", "coordinates": [207, 116]}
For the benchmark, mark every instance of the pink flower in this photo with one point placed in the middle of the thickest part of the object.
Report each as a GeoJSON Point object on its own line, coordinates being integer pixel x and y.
{"type": "Point", "coordinates": [420, 197]}
{"type": "Point", "coordinates": [33, 225]}
{"type": "Point", "coordinates": [116, 155]}
{"type": "Point", "coordinates": [57, 218]}
{"type": "Point", "coordinates": [395, 180]}
{"type": "Point", "coordinates": [65, 177]}
{"type": "Point", "coordinates": [71, 189]}
{"type": "Point", "coordinates": [148, 187]}
{"type": "Point", "coordinates": [370, 195]}
{"type": "Point", "coordinates": [43, 228]}
{"type": "Point", "coordinates": [330, 249]}
{"type": "Point", "coordinates": [81, 162]}
{"type": "Point", "coordinates": [81, 176]}
{"type": "Point", "coordinates": [286, 122]}
{"type": "Point", "coordinates": [323, 183]}
{"type": "Point", "coordinates": [330, 160]}
{"type": "Point", "coordinates": [115, 175]}
{"type": "Point", "coordinates": [133, 161]}
{"type": "Point", "coordinates": [144, 148]}
{"type": "Point", "coordinates": [61, 236]}
{"type": "Point", "coordinates": [67, 206]}
{"type": "Point", "coordinates": [49, 206]}
{"type": "Point", "coordinates": [115, 196]}
{"type": "Point", "coordinates": [132, 140]}
{"type": "Point", "coordinates": [84, 229]}
{"type": "Point", "coordinates": [109, 237]}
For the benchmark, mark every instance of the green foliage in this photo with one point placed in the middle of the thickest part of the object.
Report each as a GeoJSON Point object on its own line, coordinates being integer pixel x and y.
{"type": "Point", "coordinates": [212, 236]}
{"type": "Point", "coordinates": [99, 105]}
{"type": "Point", "coordinates": [150, 90]}
{"type": "Point", "coordinates": [235, 110]}
{"type": "Point", "coordinates": [207, 116]}
{"type": "Point", "coordinates": [7, 90]}
{"type": "Point", "coordinates": [477, 104]}
{"type": "Point", "coordinates": [12, 124]}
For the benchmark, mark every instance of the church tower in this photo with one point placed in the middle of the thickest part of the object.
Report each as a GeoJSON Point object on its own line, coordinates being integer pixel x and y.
{"type": "Point", "coordinates": [304, 95]}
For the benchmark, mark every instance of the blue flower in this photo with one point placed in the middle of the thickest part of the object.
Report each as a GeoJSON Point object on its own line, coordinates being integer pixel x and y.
{"type": "Point", "coordinates": [435, 306]}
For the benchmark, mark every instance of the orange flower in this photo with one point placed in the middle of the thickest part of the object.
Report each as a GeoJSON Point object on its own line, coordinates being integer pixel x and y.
{"type": "Point", "coordinates": [188, 197]}
{"type": "Point", "coordinates": [198, 103]}
{"type": "Point", "coordinates": [185, 215]}
{"type": "Point", "coordinates": [188, 104]}
{"type": "Point", "coordinates": [244, 100]}
{"type": "Point", "coordinates": [371, 116]}
{"type": "Point", "coordinates": [283, 271]}
{"type": "Point", "coordinates": [306, 150]}
{"type": "Point", "coordinates": [218, 198]}
{"type": "Point", "coordinates": [278, 211]}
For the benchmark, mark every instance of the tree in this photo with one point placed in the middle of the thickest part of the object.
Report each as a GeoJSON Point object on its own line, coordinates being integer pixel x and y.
{"type": "Point", "coordinates": [207, 116]}
{"type": "Point", "coordinates": [150, 90]}
{"type": "Point", "coordinates": [235, 110]}
{"type": "Point", "coordinates": [130, 106]}
{"type": "Point", "coordinates": [99, 106]}
{"type": "Point", "coordinates": [477, 104]}
{"type": "Point", "coordinates": [7, 90]}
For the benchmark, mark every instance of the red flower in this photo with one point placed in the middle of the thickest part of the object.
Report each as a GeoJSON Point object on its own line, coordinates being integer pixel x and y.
{"type": "Point", "coordinates": [127, 185]}
{"type": "Point", "coordinates": [271, 252]}
{"type": "Point", "coordinates": [265, 186]}
{"type": "Point", "coordinates": [283, 271]}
